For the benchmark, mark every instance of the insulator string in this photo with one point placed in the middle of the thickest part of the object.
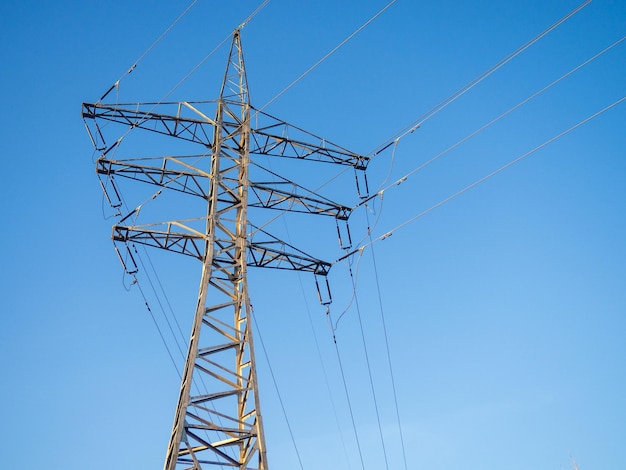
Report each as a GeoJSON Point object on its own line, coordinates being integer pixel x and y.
{"type": "Point", "coordinates": [481, 180]}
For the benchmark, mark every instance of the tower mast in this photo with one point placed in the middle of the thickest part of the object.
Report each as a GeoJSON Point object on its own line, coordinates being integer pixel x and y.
{"type": "Point", "coordinates": [218, 422]}
{"type": "Point", "coordinates": [207, 425]}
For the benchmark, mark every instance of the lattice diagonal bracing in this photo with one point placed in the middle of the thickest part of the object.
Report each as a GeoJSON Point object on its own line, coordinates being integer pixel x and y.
{"type": "Point", "coordinates": [221, 427]}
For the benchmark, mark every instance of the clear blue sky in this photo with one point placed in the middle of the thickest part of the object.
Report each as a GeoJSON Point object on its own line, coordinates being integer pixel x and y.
{"type": "Point", "coordinates": [505, 308]}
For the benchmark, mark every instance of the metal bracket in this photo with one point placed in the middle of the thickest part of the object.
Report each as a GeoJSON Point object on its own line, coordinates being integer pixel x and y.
{"type": "Point", "coordinates": [343, 232]}
{"type": "Point", "coordinates": [362, 188]}
{"type": "Point", "coordinates": [324, 297]}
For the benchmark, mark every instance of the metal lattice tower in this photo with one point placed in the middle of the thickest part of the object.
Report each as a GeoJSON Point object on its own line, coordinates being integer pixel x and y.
{"type": "Point", "coordinates": [220, 427]}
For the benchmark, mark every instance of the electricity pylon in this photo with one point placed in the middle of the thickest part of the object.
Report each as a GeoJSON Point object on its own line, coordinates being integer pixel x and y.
{"type": "Point", "coordinates": [218, 419]}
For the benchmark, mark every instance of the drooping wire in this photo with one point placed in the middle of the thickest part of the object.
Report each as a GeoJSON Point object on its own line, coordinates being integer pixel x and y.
{"type": "Point", "coordinates": [394, 140]}
{"type": "Point", "coordinates": [135, 214]}
{"type": "Point", "coordinates": [191, 72]}
{"type": "Point", "coordinates": [280, 398]}
{"type": "Point", "coordinates": [328, 388]}
{"type": "Point", "coordinates": [386, 337]}
{"type": "Point", "coordinates": [286, 227]}
{"type": "Point", "coordinates": [369, 369]}
{"type": "Point", "coordinates": [483, 179]}
{"type": "Point", "coordinates": [410, 128]}
{"type": "Point", "coordinates": [156, 41]}
{"type": "Point", "coordinates": [345, 388]}
{"type": "Point", "coordinates": [167, 300]}
{"type": "Point", "coordinates": [391, 163]}
{"type": "Point", "coordinates": [331, 52]}
{"type": "Point", "coordinates": [171, 310]}
{"type": "Point", "coordinates": [169, 324]}
{"type": "Point", "coordinates": [493, 121]}
{"type": "Point", "coordinates": [317, 346]}
{"type": "Point", "coordinates": [169, 353]}
{"type": "Point", "coordinates": [346, 309]}
{"type": "Point", "coordinates": [379, 212]}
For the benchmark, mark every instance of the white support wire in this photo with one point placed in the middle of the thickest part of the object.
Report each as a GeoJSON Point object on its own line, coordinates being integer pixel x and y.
{"type": "Point", "coordinates": [190, 73]}
{"type": "Point", "coordinates": [443, 104]}
{"type": "Point", "coordinates": [331, 52]}
{"type": "Point", "coordinates": [420, 167]}
{"type": "Point", "coordinates": [410, 128]}
{"type": "Point", "coordinates": [156, 41]}
{"type": "Point", "coordinates": [482, 180]}
{"type": "Point", "coordinates": [424, 117]}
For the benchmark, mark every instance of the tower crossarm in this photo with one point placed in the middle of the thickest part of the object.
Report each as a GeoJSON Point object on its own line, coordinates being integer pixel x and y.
{"type": "Point", "coordinates": [277, 195]}
{"type": "Point", "coordinates": [218, 421]}
{"type": "Point", "coordinates": [281, 139]}
{"type": "Point", "coordinates": [171, 236]}
{"type": "Point", "coordinates": [195, 127]}
{"type": "Point", "coordinates": [280, 255]}
{"type": "Point", "coordinates": [178, 175]}
{"type": "Point", "coordinates": [173, 173]}
{"type": "Point", "coordinates": [178, 237]}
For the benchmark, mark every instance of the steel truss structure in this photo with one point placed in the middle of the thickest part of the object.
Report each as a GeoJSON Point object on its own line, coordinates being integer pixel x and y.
{"type": "Point", "coordinates": [221, 427]}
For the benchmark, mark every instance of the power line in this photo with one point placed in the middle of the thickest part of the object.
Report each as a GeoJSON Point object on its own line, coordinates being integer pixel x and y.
{"type": "Point", "coordinates": [488, 124]}
{"type": "Point", "coordinates": [156, 41]}
{"type": "Point", "coordinates": [442, 105]}
{"type": "Point", "coordinates": [189, 74]}
{"type": "Point", "coordinates": [369, 369]}
{"type": "Point", "coordinates": [145, 300]}
{"type": "Point", "coordinates": [345, 388]}
{"type": "Point", "coordinates": [158, 299]}
{"type": "Point", "coordinates": [482, 180]}
{"type": "Point", "coordinates": [382, 317]}
{"type": "Point", "coordinates": [328, 388]}
{"type": "Point", "coordinates": [337, 47]}
{"type": "Point", "coordinates": [280, 398]}
{"type": "Point", "coordinates": [410, 128]}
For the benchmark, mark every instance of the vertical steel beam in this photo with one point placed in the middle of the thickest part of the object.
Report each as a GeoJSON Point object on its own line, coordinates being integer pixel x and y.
{"type": "Point", "coordinates": [222, 427]}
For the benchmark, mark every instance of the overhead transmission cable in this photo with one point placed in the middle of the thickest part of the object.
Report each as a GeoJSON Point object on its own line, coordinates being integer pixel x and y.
{"type": "Point", "coordinates": [317, 346]}
{"type": "Point", "coordinates": [116, 85]}
{"type": "Point", "coordinates": [386, 338]}
{"type": "Point", "coordinates": [483, 179]}
{"type": "Point", "coordinates": [490, 123]}
{"type": "Point", "coordinates": [169, 353]}
{"type": "Point", "coordinates": [345, 388]}
{"type": "Point", "coordinates": [190, 73]}
{"type": "Point", "coordinates": [156, 41]}
{"type": "Point", "coordinates": [319, 354]}
{"type": "Point", "coordinates": [369, 369]}
{"type": "Point", "coordinates": [331, 52]}
{"type": "Point", "coordinates": [147, 305]}
{"type": "Point", "coordinates": [280, 398]}
{"type": "Point", "coordinates": [304, 74]}
{"type": "Point", "coordinates": [410, 128]}
{"type": "Point", "coordinates": [171, 310]}
{"type": "Point", "coordinates": [215, 49]}
{"type": "Point", "coordinates": [136, 281]}
{"type": "Point", "coordinates": [439, 107]}
{"type": "Point", "coordinates": [158, 299]}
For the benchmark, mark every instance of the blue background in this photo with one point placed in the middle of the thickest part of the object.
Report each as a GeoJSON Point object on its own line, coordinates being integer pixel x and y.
{"type": "Point", "coordinates": [505, 309]}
